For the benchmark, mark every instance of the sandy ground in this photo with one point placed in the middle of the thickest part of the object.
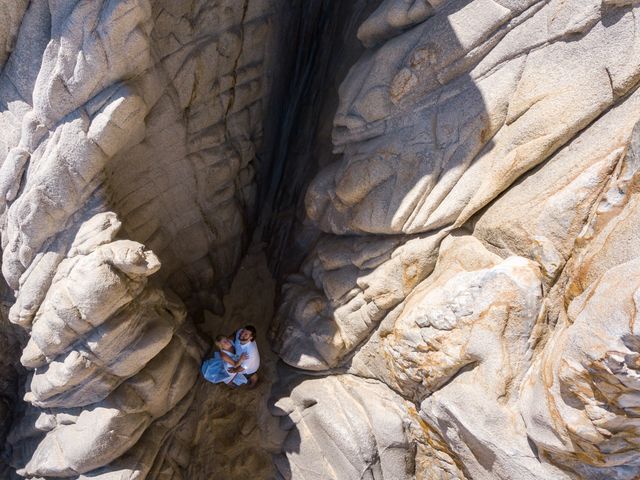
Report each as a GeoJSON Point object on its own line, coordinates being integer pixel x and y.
{"type": "Point", "coordinates": [232, 439]}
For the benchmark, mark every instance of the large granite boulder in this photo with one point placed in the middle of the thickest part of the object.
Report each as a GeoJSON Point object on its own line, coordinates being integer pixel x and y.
{"type": "Point", "coordinates": [128, 156]}
{"type": "Point", "coordinates": [344, 427]}
{"type": "Point", "coordinates": [498, 137]}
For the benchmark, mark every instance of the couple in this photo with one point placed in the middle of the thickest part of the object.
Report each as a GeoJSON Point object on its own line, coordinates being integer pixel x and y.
{"type": "Point", "coordinates": [237, 360]}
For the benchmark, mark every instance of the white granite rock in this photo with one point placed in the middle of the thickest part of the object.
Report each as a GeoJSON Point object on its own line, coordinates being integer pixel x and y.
{"type": "Point", "coordinates": [129, 135]}
{"type": "Point", "coordinates": [343, 427]}
{"type": "Point", "coordinates": [471, 296]}
{"type": "Point", "coordinates": [505, 130]}
{"type": "Point", "coordinates": [580, 399]}
{"type": "Point", "coordinates": [436, 122]}
{"type": "Point", "coordinates": [348, 286]}
{"type": "Point", "coordinates": [10, 18]}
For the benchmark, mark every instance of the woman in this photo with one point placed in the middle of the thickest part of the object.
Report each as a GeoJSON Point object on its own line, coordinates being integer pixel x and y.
{"type": "Point", "coordinates": [218, 369]}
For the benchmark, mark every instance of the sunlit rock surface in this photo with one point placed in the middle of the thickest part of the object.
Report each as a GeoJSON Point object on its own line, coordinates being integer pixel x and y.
{"type": "Point", "coordinates": [324, 416]}
{"type": "Point", "coordinates": [499, 137]}
{"type": "Point", "coordinates": [447, 194]}
{"type": "Point", "coordinates": [130, 131]}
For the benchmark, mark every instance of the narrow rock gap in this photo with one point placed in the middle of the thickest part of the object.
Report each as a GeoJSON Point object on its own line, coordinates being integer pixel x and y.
{"type": "Point", "coordinates": [300, 148]}
{"type": "Point", "coordinates": [305, 95]}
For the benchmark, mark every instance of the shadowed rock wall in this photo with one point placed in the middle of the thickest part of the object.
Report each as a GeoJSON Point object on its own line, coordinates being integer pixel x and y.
{"type": "Point", "coordinates": [130, 131]}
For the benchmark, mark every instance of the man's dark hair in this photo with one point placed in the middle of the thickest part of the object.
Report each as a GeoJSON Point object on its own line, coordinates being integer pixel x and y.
{"type": "Point", "coordinates": [220, 338]}
{"type": "Point", "coordinates": [252, 329]}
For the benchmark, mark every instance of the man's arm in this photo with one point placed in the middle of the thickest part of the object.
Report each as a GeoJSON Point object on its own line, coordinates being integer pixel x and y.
{"type": "Point", "coordinates": [227, 359]}
{"type": "Point", "coordinates": [239, 367]}
{"type": "Point", "coordinates": [238, 363]}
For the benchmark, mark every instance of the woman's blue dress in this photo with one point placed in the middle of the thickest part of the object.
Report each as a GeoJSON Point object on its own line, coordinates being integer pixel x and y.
{"type": "Point", "coordinates": [215, 370]}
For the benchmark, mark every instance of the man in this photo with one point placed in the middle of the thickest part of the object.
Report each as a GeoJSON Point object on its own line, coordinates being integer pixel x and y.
{"type": "Point", "coordinates": [244, 342]}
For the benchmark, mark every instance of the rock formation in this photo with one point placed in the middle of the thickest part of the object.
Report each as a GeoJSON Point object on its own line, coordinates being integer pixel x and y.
{"type": "Point", "coordinates": [447, 192]}
{"type": "Point", "coordinates": [130, 129]}
{"type": "Point", "coordinates": [476, 226]}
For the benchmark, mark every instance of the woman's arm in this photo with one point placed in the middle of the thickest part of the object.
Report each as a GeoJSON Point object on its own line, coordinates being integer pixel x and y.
{"type": "Point", "coordinates": [234, 363]}
{"type": "Point", "coordinates": [227, 359]}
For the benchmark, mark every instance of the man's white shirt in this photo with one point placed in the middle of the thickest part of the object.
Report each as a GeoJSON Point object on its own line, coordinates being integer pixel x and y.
{"type": "Point", "coordinates": [252, 363]}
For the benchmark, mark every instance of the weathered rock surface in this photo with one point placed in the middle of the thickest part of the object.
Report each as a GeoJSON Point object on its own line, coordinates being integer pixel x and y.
{"type": "Point", "coordinates": [130, 129]}
{"type": "Point", "coordinates": [580, 400]}
{"type": "Point", "coordinates": [541, 216]}
{"type": "Point", "coordinates": [343, 427]}
{"type": "Point", "coordinates": [466, 305]}
{"type": "Point", "coordinates": [348, 286]}
{"type": "Point", "coordinates": [437, 121]}
{"type": "Point", "coordinates": [500, 137]}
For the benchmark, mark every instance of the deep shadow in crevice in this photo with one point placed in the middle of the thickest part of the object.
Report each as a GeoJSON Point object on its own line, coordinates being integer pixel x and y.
{"type": "Point", "coordinates": [321, 47]}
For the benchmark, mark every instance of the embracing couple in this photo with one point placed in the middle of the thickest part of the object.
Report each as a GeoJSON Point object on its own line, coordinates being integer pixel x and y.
{"type": "Point", "coordinates": [236, 361]}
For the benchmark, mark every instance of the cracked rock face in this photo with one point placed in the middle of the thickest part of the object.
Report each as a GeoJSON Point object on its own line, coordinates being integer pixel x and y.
{"type": "Point", "coordinates": [478, 244]}
{"type": "Point", "coordinates": [337, 410]}
{"type": "Point", "coordinates": [130, 129]}
{"type": "Point", "coordinates": [465, 206]}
